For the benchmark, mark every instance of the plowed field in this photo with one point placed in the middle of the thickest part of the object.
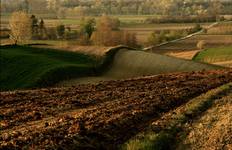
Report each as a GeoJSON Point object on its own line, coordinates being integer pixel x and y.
{"type": "Point", "coordinates": [100, 116]}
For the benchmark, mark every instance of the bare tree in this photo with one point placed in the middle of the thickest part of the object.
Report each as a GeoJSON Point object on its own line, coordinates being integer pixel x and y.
{"type": "Point", "coordinates": [20, 25]}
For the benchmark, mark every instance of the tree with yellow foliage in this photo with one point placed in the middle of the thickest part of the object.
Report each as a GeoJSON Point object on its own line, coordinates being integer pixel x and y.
{"type": "Point", "coordinates": [108, 33]}
{"type": "Point", "coordinates": [20, 26]}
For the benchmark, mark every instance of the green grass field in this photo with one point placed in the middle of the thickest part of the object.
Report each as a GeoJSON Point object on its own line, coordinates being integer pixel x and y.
{"type": "Point", "coordinates": [213, 55]}
{"type": "Point", "coordinates": [26, 67]}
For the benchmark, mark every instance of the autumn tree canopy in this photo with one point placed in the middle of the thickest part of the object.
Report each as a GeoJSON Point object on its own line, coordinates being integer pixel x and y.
{"type": "Point", "coordinates": [108, 33]}
{"type": "Point", "coordinates": [20, 25]}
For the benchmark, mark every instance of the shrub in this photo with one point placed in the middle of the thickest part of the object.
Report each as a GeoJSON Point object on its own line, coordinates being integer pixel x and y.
{"type": "Point", "coordinates": [71, 34]}
{"type": "Point", "coordinates": [87, 26]}
{"type": "Point", "coordinates": [201, 45]}
{"type": "Point", "coordinates": [51, 34]}
{"type": "Point", "coordinates": [164, 36]}
{"type": "Point", "coordinates": [196, 28]}
{"type": "Point", "coordinates": [153, 39]}
{"type": "Point", "coordinates": [83, 40]}
{"type": "Point", "coordinates": [60, 29]}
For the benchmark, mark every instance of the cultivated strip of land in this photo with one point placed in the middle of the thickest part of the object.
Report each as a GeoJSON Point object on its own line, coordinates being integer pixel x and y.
{"type": "Point", "coordinates": [96, 116]}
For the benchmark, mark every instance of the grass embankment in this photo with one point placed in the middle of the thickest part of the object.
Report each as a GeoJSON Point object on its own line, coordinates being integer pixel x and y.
{"type": "Point", "coordinates": [138, 63]}
{"type": "Point", "coordinates": [25, 67]}
{"type": "Point", "coordinates": [122, 63]}
{"type": "Point", "coordinates": [30, 67]}
{"type": "Point", "coordinates": [167, 132]}
{"type": "Point", "coordinates": [214, 55]}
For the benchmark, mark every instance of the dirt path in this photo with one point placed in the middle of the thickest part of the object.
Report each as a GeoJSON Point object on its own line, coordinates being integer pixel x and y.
{"type": "Point", "coordinates": [96, 116]}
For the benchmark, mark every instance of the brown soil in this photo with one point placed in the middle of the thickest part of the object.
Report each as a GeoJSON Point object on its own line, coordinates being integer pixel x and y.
{"type": "Point", "coordinates": [96, 116]}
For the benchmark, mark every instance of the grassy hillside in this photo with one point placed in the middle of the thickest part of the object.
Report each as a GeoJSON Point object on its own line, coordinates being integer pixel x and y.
{"type": "Point", "coordinates": [124, 63]}
{"type": "Point", "coordinates": [137, 63]}
{"type": "Point", "coordinates": [23, 67]}
{"type": "Point", "coordinates": [215, 55]}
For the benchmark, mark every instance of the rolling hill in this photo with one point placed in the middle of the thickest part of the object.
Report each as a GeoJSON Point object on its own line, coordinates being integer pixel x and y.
{"type": "Point", "coordinates": [26, 67]}
{"type": "Point", "coordinates": [131, 64]}
{"type": "Point", "coordinates": [30, 67]}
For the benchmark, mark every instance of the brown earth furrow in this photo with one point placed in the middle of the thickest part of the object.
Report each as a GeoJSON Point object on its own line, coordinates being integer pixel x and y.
{"type": "Point", "coordinates": [113, 112]}
{"type": "Point", "coordinates": [32, 105]}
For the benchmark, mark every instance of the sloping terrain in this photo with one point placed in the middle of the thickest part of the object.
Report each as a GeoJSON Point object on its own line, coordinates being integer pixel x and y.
{"type": "Point", "coordinates": [26, 67]}
{"type": "Point", "coordinates": [131, 63]}
{"type": "Point", "coordinates": [29, 67]}
{"type": "Point", "coordinates": [213, 129]}
{"type": "Point", "coordinates": [202, 123]}
{"type": "Point", "coordinates": [100, 116]}
{"type": "Point", "coordinates": [220, 55]}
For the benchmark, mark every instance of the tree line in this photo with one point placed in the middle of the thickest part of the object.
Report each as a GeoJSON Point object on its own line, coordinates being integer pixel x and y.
{"type": "Point", "coordinates": [72, 8]}
{"type": "Point", "coordinates": [169, 35]}
{"type": "Point", "coordinates": [103, 32]}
